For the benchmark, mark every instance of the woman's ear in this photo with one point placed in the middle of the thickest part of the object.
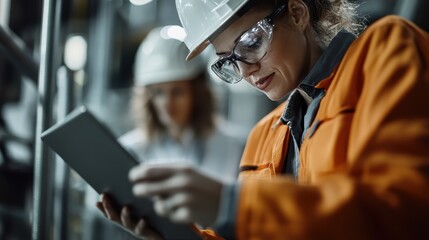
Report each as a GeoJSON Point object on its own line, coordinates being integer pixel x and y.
{"type": "Point", "coordinates": [298, 11]}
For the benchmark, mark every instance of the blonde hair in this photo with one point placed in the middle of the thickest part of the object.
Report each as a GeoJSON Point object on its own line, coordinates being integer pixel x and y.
{"type": "Point", "coordinates": [145, 117]}
{"type": "Point", "coordinates": [328, 17]}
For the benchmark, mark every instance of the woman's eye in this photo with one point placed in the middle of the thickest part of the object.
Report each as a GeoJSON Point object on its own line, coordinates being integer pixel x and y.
{"type": "Point", "coordinates": [253, 43]}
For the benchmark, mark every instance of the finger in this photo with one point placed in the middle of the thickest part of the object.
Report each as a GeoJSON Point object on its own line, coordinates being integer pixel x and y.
{"type": "Point", "coordinates": [142, 230]}
{"type": "Point", "coordinates": [166, 206]}
{"type": "Point", "coordinates": [176, 183]}
{"type": "Point", "coordinates": [156, 172]}
{"type": "Point", "coordinates": [160, 208]}
{"type": "Point", "coordinates": [126, 219]}
{"type": "Point", "coordinates": [100, 207]}
{"type": "Point", "coordinates": [110, 211]}
{"type": "Point", "coordinates": [181, 215]}
{"type": "Point", "coordinates": [150, 173]}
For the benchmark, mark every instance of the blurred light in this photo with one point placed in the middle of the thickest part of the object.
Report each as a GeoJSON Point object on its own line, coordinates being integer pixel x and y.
{"type": "Point", "coordinates": [176, 32]}
{"type": "Point", "coordinates": [79, 77]}
{"type": "Point", "coordinates": [75, 53]}
{"type": "Point", "coordinates": [140, 2]}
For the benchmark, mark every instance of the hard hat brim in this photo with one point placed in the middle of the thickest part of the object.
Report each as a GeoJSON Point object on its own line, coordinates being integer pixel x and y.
{"type": "Point", "coordinates": [200, 48]}
{"type": "Point", "coordinates": [241, 9]}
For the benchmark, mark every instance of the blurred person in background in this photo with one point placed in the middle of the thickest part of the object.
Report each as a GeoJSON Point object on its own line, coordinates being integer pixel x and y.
{"type": "Point", "coordinates": [345, 157]}
{"type": "Point", "coordinates": [174, 111]}
{"type": "Point", "coordinates": [173, 106]}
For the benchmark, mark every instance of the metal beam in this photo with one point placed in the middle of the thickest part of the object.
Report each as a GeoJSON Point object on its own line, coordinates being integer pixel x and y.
{"type": "Point", "coordinates": [4, 12]}
{"type": "Point", "coordinates": [44, 164]}
{"type": "Point", "coordinates": [65, 104]}
{"type": "Point", "coordinates": [14, 49]}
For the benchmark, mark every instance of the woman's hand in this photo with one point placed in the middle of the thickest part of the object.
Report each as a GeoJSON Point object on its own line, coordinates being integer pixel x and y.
{"type": "Point", "coordinates": [125, 219]}
{"type": "Point", "coordinates": [180, 192]}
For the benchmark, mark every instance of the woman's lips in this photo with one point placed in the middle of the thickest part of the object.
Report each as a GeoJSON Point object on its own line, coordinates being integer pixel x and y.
{"type": "Point", "coordinates": [263, 83]}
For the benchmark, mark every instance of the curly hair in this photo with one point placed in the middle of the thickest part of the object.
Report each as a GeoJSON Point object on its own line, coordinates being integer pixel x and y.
{"type": "Point", "coordinates": [202, 122]}
{"type": "Point", "coordinates": [328, 17]}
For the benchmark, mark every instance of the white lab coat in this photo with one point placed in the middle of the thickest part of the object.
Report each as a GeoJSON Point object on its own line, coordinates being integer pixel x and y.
{"type": "Point", "coordinates": [218, 155]}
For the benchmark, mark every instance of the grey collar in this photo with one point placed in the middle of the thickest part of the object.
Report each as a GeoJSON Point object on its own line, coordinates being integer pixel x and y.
{"type": "Point", "coordinates": [330, 58]}
{"type": "Point", "coordinates": [323, 67]}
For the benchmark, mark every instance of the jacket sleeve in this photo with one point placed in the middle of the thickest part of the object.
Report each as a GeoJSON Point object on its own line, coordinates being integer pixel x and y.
{"type": "Point", "coordinates": [383, 192]}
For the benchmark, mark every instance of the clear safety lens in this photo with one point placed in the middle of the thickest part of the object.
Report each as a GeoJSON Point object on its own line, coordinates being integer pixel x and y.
{"type": "Point", "coordinates": [227, 71]}
{"type": "Point", "coordinates": [254, 43]}
{"type": "Point", "coordinates": [251, 48]}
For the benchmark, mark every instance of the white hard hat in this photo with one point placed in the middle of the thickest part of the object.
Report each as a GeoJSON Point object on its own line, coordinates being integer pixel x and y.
{"type": "Point", "coordinates": [203, 19]}
{"type": "Point", "coordinates": [161, 58]}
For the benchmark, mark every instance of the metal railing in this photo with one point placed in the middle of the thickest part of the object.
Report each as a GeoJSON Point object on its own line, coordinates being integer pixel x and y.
{"type": "Point", "coordinates": [14, 49]}
{"type": "Point", "coordinates": [43, 165]}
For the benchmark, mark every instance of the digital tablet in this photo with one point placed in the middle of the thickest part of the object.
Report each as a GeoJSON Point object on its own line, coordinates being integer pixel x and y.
{"type": "Point", "coordinates": [91, 150]}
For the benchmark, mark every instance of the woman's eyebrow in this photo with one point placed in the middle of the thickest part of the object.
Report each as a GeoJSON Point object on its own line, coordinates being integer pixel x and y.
{"type": "Point", "coordinates": [235, 42]}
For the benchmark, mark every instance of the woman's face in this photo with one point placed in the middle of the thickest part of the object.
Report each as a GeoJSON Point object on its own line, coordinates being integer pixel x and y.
{"type": "Point", "coordinates": [173, 103]}
{"type": "Point", "coordinates": [286, 61]}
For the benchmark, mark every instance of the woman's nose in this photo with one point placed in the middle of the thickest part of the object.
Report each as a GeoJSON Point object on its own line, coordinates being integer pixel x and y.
{"type": "Point", "coordinates": [247, 69]}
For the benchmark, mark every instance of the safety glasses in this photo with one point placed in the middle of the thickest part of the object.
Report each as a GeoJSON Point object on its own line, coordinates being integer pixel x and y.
{"type": "Point", "coordinates": [252, 46]}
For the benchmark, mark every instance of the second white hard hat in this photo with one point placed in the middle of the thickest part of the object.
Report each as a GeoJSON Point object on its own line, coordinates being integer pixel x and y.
{"type": "Point", "coordinates": [201, 19]}
{"type": "Point", "coordinates": [161, 58]}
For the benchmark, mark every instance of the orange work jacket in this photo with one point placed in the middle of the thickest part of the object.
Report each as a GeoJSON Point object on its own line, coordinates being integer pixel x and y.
{"type": "Point", "coordinates": [364, 161]}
